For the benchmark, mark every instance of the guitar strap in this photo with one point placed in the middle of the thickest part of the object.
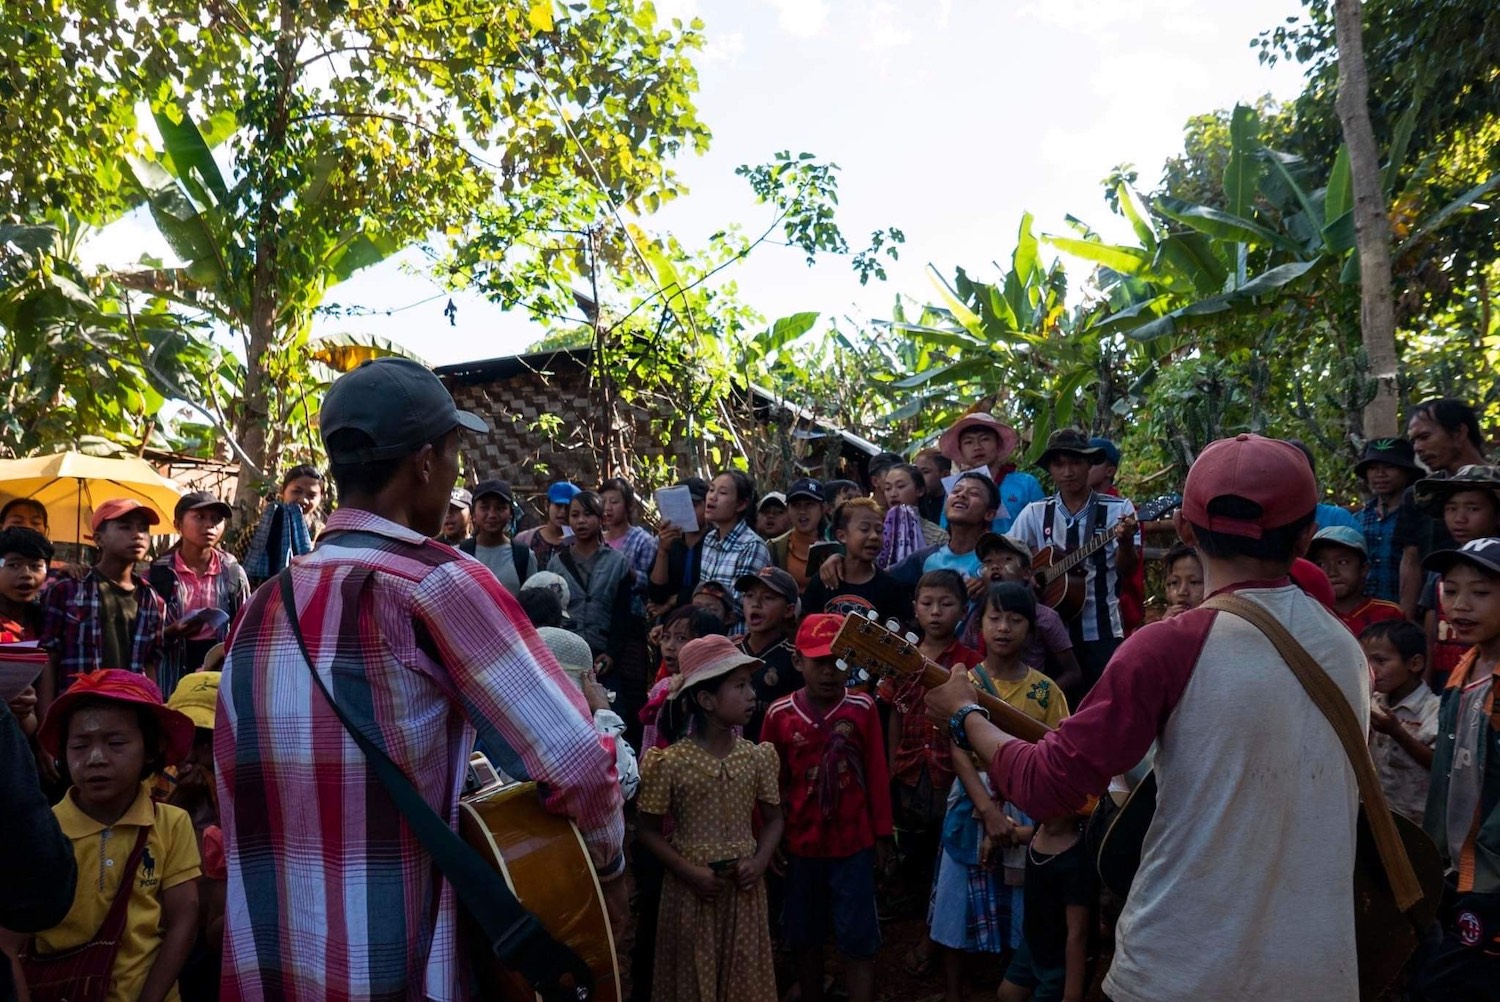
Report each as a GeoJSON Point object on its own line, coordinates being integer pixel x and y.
{"type": "Point", "coordinates": [1330, 699]}
{"type": "Point", "coordinates": [515, 935]}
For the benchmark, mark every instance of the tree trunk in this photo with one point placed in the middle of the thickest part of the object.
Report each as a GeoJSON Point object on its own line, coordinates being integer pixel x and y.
{"type": "Point", "coordinates": [253, 424]}
{"type": "Point", "coordinates": [1372, 232]}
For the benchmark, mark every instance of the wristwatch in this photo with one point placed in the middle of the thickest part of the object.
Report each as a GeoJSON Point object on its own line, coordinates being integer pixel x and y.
{"type": "Point", "coordinates": [956, 724]}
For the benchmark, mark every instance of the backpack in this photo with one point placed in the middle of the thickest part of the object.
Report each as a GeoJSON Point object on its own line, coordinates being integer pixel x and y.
{"type": "Point", "coordinates": [520, 554]}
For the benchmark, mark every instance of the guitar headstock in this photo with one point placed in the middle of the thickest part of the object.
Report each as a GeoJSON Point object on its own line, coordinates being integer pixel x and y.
{"type": "Point", "coordinates": [1153, 510]}
{"type": "Point", "coordinates": [864, 645]}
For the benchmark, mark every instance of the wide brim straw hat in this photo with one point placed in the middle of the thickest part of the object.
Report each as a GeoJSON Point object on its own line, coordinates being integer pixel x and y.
{"type": "Point", "coordinates": [706, 659]}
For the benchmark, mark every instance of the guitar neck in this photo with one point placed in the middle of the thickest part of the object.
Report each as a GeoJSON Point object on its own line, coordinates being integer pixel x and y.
{"type": "Point", "coordinates": [1004, 716]}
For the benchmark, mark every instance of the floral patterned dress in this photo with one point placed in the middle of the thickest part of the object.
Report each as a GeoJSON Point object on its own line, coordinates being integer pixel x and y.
{"type": "Point", "coordinates": [719, 950]}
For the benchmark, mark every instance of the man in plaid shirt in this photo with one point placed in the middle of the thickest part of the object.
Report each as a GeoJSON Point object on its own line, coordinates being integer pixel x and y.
{"type": "Point", "coordinates": [109, 617]}
{"type": "Point", "coordinates": [330, 895]}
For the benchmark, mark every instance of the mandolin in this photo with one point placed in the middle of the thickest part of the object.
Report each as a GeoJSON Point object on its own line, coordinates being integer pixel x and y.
{"type": "Point", "coordinates": [1060, 574]}
{"type": "Point", "coordinates": [543, 859]}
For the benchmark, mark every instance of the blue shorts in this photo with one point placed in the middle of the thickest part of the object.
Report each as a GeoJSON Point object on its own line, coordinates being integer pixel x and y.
{"type": "Point", "coordinates": [1047, 983]}
{"type": "Point", "coordinates": [837, 893]}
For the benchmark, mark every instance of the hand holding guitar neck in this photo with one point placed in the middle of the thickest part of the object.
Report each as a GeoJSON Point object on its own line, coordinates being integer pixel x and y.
{"type": "Point", "coordinates": [868, 648]}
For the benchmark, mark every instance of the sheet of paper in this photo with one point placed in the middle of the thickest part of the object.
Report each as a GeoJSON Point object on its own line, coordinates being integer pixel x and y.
{"type": "Point", "coordinates": [20, 664]}
{"type": "Point", "coordinates": [214, 619]}
{"type": "Point", "coordinates": [952, 478]}
{"type": "Point", "coordinates": [676, 506]}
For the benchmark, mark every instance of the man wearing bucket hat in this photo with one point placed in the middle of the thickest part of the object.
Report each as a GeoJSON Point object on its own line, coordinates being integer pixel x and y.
{"type": "Point", "coordinates": [1068, 520]}
{"type": "Point", "coordinates": [983, 441]}
{"type": "Point", "coordinates": [1236, 736]}
{"type": "Point", "coordinates": [439, 651]}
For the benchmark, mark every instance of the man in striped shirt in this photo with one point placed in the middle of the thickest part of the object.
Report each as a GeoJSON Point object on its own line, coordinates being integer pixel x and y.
{"type": "Point", "coordinates": [1068, 520]}
{"type": "Point", "coordinates": [330, 894]}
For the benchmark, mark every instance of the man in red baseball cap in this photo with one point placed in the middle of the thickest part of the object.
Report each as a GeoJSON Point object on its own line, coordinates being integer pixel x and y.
{"type": "Point", "coordinates": [1250, 762]}
{"type": "Point", "coordinates": [110, 617]}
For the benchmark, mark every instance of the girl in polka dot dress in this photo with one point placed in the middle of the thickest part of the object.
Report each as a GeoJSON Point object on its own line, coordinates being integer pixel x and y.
{"type": "Point", "coordinates": [713, 940]}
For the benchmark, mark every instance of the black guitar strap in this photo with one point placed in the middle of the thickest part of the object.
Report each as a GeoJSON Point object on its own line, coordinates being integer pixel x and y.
{"type": "Point", "coordinates": [515, 935]}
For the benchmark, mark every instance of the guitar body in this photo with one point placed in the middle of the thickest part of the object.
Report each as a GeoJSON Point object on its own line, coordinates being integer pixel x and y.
{"type": "Point", "coordinates": [1062, 590]}
{"type": "Point", "coordinates": [1385, 937]}
{"type": "Point", "coordinates": [1061, 575]}
{"type": "Point", "coordinates": [546, 864]}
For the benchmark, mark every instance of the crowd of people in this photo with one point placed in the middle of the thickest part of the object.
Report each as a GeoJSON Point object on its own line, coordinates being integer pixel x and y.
{"type": "Point", "coordinates": [186, 817]}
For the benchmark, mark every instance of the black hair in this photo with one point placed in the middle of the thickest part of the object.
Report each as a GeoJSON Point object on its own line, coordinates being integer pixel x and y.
{"type": "Point", "coordinates": [697, 487]}
{"type": "Point", "coordinates": [1011, 596]}
{"type": "Point", "coordinates": [883, 461]}
{"type": "Point", "coordinates": [1451, 415]}
{"type": "Point", "coordinates": [153, 736]}
{"type": "Point", "coordinates": [744, 490]}
{"type": "Point", "coordinates": [701, 622]}
{"type": "Point", "coordinates": [15, 503]}
{"type": "Point", "coordinates": [360, 477]}
{"type": "Point", "coordinates": [989, 485]}
{"type": "Point", "coordinates": [298, 472]}
{"type": "Point", "coordinates": [1180, 551]}
{"type": "Point", "coordinates": [623, 486]}
{"type": "Point", "coordinates": [590, 501]}
{"type": "Point", "coordinates": [831, 489]}
{"type": "Point", "coordinates": [1302, 447]}
{"type": "Point", "coordinates": [1276, 545]}
{"type": "Point", "coordinates": [682, 714]}
{"type": "Point", "coordinates": [24, 542]}
{"type": "Point", "coordinates": [947, 579]}
{"type": "Point", "coordinates": [1407, 637]}
{"type": "Point", "coordinates": [845, 509]}
{"type": "Point", "coordinates": [541, 605]}
{"type": "Point", "coordinates": [919, 481]}
{"type": "Point", "coordinates": [942, 462]}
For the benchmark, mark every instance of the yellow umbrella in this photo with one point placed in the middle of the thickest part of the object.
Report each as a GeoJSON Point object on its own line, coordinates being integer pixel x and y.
{"type": "Point", "coordinates": [69, 484]}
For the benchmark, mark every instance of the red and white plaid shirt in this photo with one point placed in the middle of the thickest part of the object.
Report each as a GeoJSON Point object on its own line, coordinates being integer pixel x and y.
{"type": "Point", "coordinates": [330, 895]}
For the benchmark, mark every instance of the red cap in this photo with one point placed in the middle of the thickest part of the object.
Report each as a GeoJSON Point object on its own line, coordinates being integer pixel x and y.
{"type": "Point", "coordinates": [1269, 472]}
{"type": "Point", "coordinates": [118, 508]}
{"type": "Point", "coordinates": [119, 686]}
{"type": "Point", "coordinates": [815, 635]}
{"type": "Point", "coordinates": [1310, 578]}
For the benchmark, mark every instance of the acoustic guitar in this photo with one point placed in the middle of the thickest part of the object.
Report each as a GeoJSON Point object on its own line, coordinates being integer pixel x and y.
{"type": "Point", "coordinates": [1383, 933]}
{"type": "Point", "coordinates": [546, 864]}
{"type": "Point", "coordinates": [1060, 574]}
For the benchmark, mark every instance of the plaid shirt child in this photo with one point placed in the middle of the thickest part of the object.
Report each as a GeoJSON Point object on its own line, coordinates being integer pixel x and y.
{"type": "Point", "coordinates": [1384, 534]}
{"type": "Point", "coordinates": [726, 559]}
{"type": "Point", "coordinates": [72, 626]}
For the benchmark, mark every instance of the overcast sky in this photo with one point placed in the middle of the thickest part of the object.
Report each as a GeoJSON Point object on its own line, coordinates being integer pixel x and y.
{"type": "Point", "coordinates": [949, 119]}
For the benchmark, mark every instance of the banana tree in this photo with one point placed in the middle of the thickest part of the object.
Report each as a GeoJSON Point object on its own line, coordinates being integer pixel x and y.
{"type": "Point", "coordinates": [1013, 346]}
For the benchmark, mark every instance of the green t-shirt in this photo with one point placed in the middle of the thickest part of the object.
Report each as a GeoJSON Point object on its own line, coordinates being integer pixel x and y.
{"type": "Point", "coordinates": [117, 610]}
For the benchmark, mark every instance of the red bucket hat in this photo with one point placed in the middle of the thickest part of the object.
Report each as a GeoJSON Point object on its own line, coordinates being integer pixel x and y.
{"type": "Point", "coordinates": [118, 686]}
{"type": "Point", "coordinates": [1009, 439]}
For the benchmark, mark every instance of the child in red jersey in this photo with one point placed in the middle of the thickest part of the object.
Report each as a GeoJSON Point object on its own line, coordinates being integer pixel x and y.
{"type": "Point", "coordinates": [836, 793]}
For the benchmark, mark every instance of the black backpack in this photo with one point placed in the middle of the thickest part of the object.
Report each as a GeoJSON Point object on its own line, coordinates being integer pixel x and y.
{"type": "Point", "coordinates": [520, 553]}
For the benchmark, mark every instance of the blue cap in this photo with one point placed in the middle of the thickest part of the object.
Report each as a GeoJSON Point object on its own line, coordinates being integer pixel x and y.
{"type": "Point", "coordinates": [562, 492]}
{"type": "Point", "coordinates": [1341, 535]}
{"type": "Point", "coordinates": [1110, 451]}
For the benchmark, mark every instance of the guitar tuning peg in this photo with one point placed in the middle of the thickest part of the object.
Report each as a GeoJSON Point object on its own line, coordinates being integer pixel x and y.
{"type": "Point", "coordinates": [893, 625]}
{"type": "Point", "coordinates": [841, 664]}
{"type": "Point", "coordinates": [872, 615]}
{"type": "Point", "coordinates": [912, 638]}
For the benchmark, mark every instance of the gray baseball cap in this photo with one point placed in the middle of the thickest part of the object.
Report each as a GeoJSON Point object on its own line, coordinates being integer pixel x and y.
{"type": "Point", "coordinates": [400, 404]}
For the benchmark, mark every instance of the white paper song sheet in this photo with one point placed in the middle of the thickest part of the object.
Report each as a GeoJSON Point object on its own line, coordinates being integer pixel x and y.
{"type": "Point", "coordinates": [676, 506]}
{"type": "Point", "coordinates": [20, 664]}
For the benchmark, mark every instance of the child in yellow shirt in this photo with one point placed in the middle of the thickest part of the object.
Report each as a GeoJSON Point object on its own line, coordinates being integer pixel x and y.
{"type": "Point", "coordinates": [135, 911]}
